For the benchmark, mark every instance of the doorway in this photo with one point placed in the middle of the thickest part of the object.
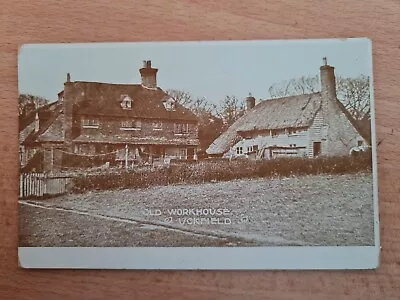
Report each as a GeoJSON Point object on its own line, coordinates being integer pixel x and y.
{"type": "Point", "coordinates": [316, 148]}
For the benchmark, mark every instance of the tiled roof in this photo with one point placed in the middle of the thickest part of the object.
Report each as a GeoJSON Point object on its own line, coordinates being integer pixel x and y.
{"type": "Point", "coordinates": [51, 128]}
{"type": "Point", "coordinates": [98, 138]}
{"type": "Point", "coordinates": [104, 99]}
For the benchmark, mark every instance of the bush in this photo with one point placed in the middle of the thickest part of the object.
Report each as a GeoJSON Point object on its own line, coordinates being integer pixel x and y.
{"type": "Point", "coordinates": [211, 170]}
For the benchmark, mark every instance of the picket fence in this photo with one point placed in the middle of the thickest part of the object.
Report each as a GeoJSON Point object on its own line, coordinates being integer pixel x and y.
{"type": "Point", "coordinates": [40, 185]}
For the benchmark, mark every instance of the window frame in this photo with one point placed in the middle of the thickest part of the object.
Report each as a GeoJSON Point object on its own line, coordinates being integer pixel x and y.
{"type": "Point", "coordinates": [181, 128]}
{"type": "Point", "coordinates": [130, 125]}
{"type": "Point", "coordinates": [90, 122]}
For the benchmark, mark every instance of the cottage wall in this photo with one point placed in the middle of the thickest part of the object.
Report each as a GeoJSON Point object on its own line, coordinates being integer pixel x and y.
{"type": "Point", "coordinates": [112, 128]}
{"type": "Point", "coordinates": [298, 139]}
{"type": "Point", "coordinates": [341, 135]}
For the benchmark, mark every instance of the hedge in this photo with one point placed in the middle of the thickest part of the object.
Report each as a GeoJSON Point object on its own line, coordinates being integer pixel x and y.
{"type": "Point", "coordinates": [211, 170]}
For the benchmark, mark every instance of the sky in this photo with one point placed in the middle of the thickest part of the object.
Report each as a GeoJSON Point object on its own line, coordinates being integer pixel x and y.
{"type": "Point", "coordinates": [204, 69]}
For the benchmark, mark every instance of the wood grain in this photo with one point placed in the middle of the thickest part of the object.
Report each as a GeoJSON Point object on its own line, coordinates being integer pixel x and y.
{"type": "Point", "coordinates": [101, 20]}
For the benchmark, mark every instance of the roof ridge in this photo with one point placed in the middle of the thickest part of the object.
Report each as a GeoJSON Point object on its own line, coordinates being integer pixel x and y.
{"type": "Point", "coordinates": [289, 97]}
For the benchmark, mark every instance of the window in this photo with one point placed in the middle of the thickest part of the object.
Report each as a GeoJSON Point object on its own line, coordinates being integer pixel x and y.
{"type": "Point", "coordinates": [359, 143]}
{"type": "Point", "coordinates": [126, 102]}
{"type": "Point", "coordinates": [157, 125]}
{"type": "Point", "coordinates": [169, 104]}
{"type": "Point", "coordinates": [90, 123]}
{"type": "Point", "coordinates": [239, 150]}
{"type": "Point", "coordinates": [255, 148]}
{"type": "Point", "coordinates": [182, 154]}
{"type": "Point", "coordinates": [131, 125]}
{"type": "Point", "coordinates": [181, 128]}
{"type": "Point", "coordinates": [249, 149]}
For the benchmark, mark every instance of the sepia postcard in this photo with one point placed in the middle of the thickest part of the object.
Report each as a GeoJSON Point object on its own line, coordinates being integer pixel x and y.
{"type": "Point", "coordinates": [198, 155]}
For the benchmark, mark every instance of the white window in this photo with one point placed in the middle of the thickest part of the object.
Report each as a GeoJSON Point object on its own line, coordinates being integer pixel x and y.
{"type": "Point", "coordinates": [181, 128]}
{"type": "Point", "coordinates": [169, 104]}
{"type": "Point", "coordinates": [157, 125]}
{"type": "Point", "coordinates": [239, 150]}
{"type": "Point", "coordinates": [126, 102]}
{"type": "Point", "coordinates": [183, 154]}
{"type": "Point", "coordinates": [90, 123]}
{"type": "Point", "coordinates": [131, 125]}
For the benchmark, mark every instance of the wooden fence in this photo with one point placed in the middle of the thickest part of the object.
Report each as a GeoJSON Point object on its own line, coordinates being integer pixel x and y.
{"type": "Point", "coordinates": [40, 185]}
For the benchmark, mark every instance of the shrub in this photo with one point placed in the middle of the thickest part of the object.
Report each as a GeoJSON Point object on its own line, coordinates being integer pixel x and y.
{"type": "Point", "coordinates": [221, 170]}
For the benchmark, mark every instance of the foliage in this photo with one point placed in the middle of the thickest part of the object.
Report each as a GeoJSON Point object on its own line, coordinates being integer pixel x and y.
{"type": "Point", "coordinates": [211, 170]}
{"type": "Point", "coordinates": [354, 93]}
{"type": "Point", "coordinates": [231, 109]}
{"type": "Point", "coordinates": [28, 103]}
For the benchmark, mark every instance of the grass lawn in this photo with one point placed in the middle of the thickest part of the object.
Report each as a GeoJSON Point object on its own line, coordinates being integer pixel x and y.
{"type": "Point", "coordinates": [326, 210]}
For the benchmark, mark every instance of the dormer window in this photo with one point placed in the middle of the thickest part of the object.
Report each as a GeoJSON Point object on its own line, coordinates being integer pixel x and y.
{"type": "Point", "coordinates": [169, 104]}
{"type": "Point", "coordinates": [126, 102]}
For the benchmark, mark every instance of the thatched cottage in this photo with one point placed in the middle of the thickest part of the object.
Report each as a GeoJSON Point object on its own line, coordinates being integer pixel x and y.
{"type": "Point", "coordinates": [303, 126]}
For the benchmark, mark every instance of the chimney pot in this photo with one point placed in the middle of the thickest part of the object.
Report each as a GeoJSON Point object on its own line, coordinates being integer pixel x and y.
{"type": "Point", "coordinates": [68, 77]}
{"type": "Point", "coordinates": [328, 81]}
{"type": "Point", "coordinates": [250, 102]}
{"type": "Point", "coordinates": [149, 75]}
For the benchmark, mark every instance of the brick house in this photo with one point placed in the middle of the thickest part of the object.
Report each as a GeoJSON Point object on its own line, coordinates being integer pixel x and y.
{"type": "Point", "coordinates": [303, 126]}
{"type": "Point", "coordinates": [135, 123]}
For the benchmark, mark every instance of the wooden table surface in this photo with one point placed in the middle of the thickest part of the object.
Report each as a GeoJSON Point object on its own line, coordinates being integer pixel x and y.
{"type": "Point", "coordinates": [159, 20]}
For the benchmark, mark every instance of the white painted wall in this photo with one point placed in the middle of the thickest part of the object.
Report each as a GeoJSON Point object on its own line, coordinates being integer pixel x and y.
{"type": "Point", "coordinates": [300, 139]}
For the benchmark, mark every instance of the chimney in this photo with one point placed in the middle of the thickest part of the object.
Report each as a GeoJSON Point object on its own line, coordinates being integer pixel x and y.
{"type": "Point", "coordinates": [328, 82]}
{"type": "Point", "coordinates": [250, 102]}
{"type": "Point", "coordinates": [149, 75]}
{"type": "Point", "coordinates": [68, 77]}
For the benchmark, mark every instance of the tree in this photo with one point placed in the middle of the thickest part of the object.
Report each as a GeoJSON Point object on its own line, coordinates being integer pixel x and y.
{"type": "Point", "coordinates": [354, 93]}
{"type": "Point", "coordinates": [231, 109]}
{"type": "Point", "coordinates": [295, 86]}
{"type": "Point", "coordinates": [181, 97]}
{"type": "Point", "coordinates": [197, 105]}
{"type": "Point", "coordinates": [28, 103]}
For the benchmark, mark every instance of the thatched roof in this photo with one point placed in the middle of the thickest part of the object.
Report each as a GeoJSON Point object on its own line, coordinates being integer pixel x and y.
{"type": "Point", "coordinates": [288, 112]}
